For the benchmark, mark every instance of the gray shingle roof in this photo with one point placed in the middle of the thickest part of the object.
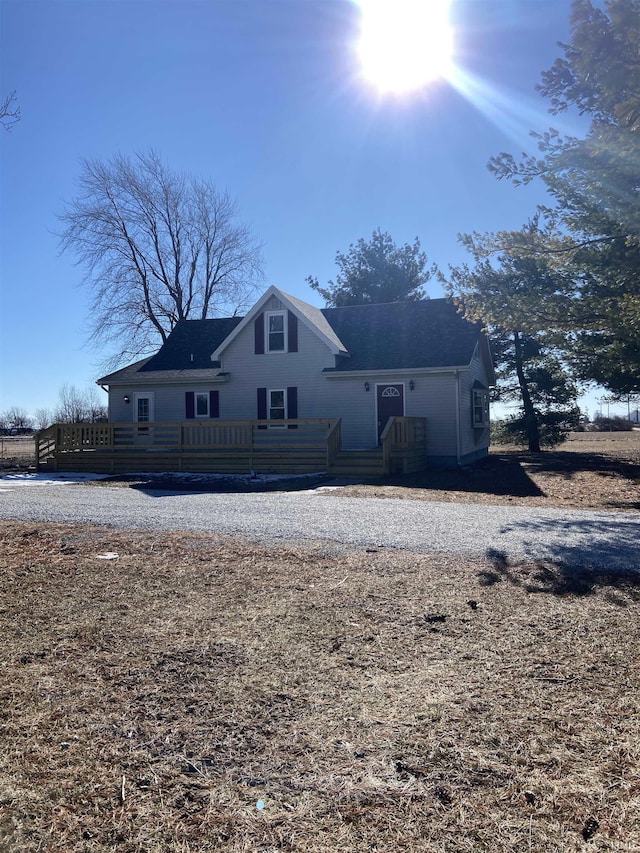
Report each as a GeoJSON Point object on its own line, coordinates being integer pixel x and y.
{"type": "Point", "coordinates": [316, 317]}
{"type": "Point", "coordinates": [190, 344]}
{"type": "Point", "coordinates": [395, 336]}
{"type": "Point", "coordinates": [403, 335]}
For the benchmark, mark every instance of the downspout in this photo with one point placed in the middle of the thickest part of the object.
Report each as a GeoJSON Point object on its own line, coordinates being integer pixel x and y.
{"type": "Point", "coordinates": [457, 374]}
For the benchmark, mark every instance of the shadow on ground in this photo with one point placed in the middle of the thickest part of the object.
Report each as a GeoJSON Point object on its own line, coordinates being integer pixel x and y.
{"type": "Point", "coordinates": [568, 464]}
{"type": "Point", "coordinates": [582, 556]}
{"type": "Point", "coordinates": [504, 475]}
{"type": "Point", "coordinates": [495, 475]}
{"type": "Point", "coordinates": [159, 486]}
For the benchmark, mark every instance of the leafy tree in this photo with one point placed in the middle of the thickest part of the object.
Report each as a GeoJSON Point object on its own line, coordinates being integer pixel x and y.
{"type": "Point", "coordinates": [158, 247]}
{"type": "Point", "coordinates": [377, 271]}
{"type": "Point", "coordinates": [594, 183]}
{"type": "Point", "coordinates": [518, 299]}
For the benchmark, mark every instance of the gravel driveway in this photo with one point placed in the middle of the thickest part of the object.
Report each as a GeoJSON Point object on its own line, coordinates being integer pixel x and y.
{"type": "Point", "coordinates": [606, 541]}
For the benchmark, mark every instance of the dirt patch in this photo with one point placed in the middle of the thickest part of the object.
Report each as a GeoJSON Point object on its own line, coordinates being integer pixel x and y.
{"type": "Point", "coordinates": [197, 693]}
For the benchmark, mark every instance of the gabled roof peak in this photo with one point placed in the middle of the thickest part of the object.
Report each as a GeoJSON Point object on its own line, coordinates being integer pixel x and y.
{"type": "Point", "coordinates": [311, 316]}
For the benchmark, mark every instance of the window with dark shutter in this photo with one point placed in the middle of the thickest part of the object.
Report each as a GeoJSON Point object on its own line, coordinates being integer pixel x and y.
{"type": "Point", "coordinates": [276, 337]}
{"type": "Point", "coordinates": [214, 404]}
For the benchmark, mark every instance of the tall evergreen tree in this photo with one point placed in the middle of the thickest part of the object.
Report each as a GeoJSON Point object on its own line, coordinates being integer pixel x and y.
{"type": "Point", "coordinates": [375, 271]}
{"type": "Point", "coordinates": [594, 183]}
{"type": "Point", "coordinates": [521, 301]}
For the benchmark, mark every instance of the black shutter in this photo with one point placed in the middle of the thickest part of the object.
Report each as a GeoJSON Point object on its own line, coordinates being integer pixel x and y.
{"type": "Point", "coordinates": [292, 405]}
{"type": "Point", "coordinates": [258, 327]}
{"type": "Point", "coordinates": [190, 405]}
{"type": "Point", "coordinates": [292, 323]}
{"type": "Point", "coordinates": [214, 404]}
{"type": "Point", "coordinates": [262, 406]}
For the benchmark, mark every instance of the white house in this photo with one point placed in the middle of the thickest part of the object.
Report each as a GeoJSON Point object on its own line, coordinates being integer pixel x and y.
{"type": "Point", "coordinates": [288, 360]}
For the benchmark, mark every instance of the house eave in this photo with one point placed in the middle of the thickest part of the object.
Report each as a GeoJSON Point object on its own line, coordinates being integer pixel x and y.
{"type": "Point", "coordinates": [332, 373]}
{"type": "Point", "coordinates": [182, 377]}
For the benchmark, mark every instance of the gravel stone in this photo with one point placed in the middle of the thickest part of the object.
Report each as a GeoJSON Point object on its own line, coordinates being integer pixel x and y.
{"type": "Point", "coordinates": [605, 541]}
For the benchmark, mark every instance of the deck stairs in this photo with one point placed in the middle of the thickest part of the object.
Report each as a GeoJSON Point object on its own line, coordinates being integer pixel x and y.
{"type": "Point", "coordinates": [358, 463]}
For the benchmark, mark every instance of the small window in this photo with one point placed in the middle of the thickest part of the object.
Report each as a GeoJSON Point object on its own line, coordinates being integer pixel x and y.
{"type": "Point", "coordinates": [277, 406]}
{"type": "Point", "coordinates": [143, 409]}
{"type": "Point", "coordinates": [276, 332]}
{"type": "Point", "coordinates": [480, 408]}
{"type": "Point", "coordinates": [202, 404]}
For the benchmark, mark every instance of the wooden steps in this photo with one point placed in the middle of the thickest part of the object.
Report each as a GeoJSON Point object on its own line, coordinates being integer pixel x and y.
{"type": "Point", "coordinates": [364, 463]}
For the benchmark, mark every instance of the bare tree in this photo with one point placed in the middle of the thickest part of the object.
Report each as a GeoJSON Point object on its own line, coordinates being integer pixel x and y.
{"type": "Point", "coordinates": [76, 406]}
{"type": "Point", "coordinates": [43, 418]}
{"type": "Point", "coordinates": [16, 419]}
{"type": "Point", "coordinates": [71, 406]}
{"type": "Point", "coordinates": [9, 111]}
{"type": "Point", "coordinates": [95, 409]}
{"type": "Point", "coordinates": [158, 247]}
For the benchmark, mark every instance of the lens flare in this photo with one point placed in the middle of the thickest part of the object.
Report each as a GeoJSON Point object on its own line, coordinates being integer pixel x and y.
{"type": "Point", "coordinates": [405, 44]}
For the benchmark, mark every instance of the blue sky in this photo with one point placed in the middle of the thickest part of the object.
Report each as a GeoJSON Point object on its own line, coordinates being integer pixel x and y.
{"type": "Point", "coordinates": [264, 97]}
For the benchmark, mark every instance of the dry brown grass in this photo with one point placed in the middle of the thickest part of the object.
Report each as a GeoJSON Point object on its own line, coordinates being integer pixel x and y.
{"type": "Point", "coordinates": [17, 452]}
{"type": "Point", "coordinates": [591, 471]}
{"type": "Point", "coordinates": [373, 701]}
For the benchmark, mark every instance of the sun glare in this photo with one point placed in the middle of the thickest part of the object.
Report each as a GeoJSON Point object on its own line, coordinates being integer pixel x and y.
{"type": "Point", "coordinates": [405, 44]}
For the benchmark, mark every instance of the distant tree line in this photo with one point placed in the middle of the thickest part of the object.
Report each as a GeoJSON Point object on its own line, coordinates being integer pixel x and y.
{"type": "Point", "coordinates": [74, 406]}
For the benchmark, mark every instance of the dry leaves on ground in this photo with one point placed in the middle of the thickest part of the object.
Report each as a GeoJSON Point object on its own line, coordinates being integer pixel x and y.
{"type": "Point", "coordinates": [194, 693]}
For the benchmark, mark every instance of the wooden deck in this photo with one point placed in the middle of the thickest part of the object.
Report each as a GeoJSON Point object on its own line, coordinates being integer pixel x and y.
{"type": "Point", "coordinates": [228, 447]}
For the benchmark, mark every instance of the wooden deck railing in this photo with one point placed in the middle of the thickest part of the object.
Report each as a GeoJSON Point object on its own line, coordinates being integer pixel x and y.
{"type": "Point", "coordinates": [220, 445]}
{"type": "Point", "coordinates": [403, 437]}
{"type": "Point", "coordinates": [185, 437]}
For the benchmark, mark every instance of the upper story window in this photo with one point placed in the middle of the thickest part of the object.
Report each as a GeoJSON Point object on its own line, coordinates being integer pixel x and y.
{"type": "Point", "coordinates": [480, 408]}
{"type": "Point", "coordinates": [276, 331]}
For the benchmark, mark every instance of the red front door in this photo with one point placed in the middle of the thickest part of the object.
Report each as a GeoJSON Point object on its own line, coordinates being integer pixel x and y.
{"type": "Point", "coordinates": [390, 400]}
